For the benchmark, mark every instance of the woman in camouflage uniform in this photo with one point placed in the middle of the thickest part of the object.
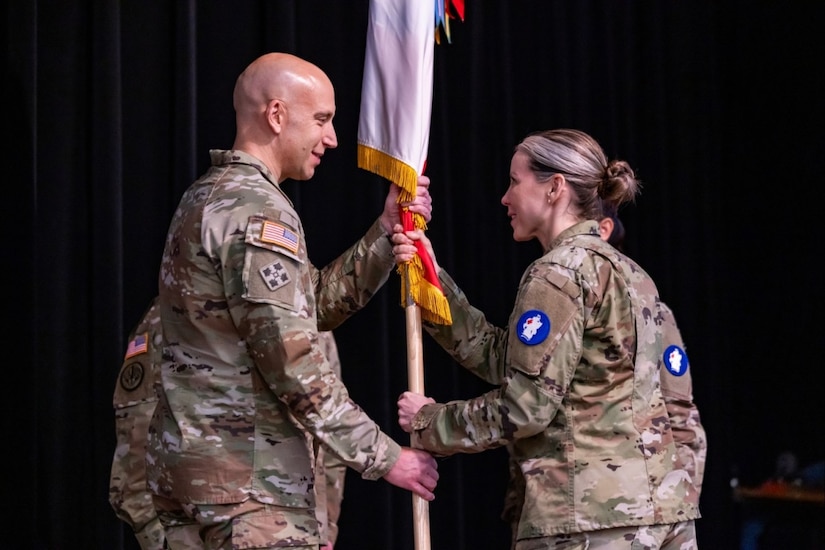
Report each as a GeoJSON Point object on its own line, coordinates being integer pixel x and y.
{"type": "Point", "coordinates": [578, 401]}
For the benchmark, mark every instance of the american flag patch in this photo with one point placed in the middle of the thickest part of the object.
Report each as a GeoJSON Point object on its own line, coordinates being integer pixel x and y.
{"type": "Point", "coordinates": [276, 233]}
{"type": "Point", "coordinates": [139, 344]}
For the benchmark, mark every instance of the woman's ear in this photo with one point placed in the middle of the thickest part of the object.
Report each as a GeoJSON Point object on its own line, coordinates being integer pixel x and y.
{"type": "Point", "coordinates": [605, 228]}
{"type": "Point", "coordinates": [554, 191]}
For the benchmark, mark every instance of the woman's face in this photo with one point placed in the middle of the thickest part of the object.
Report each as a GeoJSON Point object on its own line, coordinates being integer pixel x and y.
{"type": "Point", "coordinates": [526, 201]}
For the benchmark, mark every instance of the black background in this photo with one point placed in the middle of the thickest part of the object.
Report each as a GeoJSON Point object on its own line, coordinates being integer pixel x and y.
{"type": "Point", "coordinates": [111, 108]}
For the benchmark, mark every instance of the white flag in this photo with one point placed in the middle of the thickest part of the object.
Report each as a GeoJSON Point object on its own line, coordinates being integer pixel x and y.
{"type": "Point", "coordinates": [397, 90]}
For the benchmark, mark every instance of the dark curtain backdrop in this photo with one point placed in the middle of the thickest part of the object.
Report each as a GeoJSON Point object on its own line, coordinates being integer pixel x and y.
{"type": "Point", "coordinates": [111, 107]}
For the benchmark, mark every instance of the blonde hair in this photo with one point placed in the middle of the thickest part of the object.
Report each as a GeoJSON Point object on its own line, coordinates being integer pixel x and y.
{"type": "Point", "coordinates": [596, 183]}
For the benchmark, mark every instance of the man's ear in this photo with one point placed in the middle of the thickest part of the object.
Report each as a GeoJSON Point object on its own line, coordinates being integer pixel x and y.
{"type": "Point", "coordinates": [275, 114]}
{"type": "Point", "coordinates": [605, 228]}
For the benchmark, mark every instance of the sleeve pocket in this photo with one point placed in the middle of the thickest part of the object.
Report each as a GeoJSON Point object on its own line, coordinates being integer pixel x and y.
{"type": "Point", "coordinates": [554, 301]}
{"type": "Point", "coordinates": [272, 266]}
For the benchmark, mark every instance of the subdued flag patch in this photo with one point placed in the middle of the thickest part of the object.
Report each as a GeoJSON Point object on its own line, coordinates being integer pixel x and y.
{"type": "Point", "coordinates": [139, 344]}
{"type": "Point", "coordinates": [276, 233]}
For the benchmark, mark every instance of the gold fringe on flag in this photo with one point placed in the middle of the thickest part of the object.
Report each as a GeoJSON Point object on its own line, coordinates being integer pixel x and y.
{"type": "Point", "coordinates": [433, 303]}
{"type": "Point", "coordinates": [379, 162]}
{"type": "Point", "coordinates": [430, 298]}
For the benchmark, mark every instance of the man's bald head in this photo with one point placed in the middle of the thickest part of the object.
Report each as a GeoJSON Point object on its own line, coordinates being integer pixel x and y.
{"type": "Point", "coordinates": [275, 75]}
{"type": "Point", "coordinates": [284, 106]}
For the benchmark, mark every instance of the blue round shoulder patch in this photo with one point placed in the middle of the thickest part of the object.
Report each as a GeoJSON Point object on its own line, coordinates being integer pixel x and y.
{"type": "Point", "coordinates": [675, 360]}
{"type": "Point", "coordinates": [533, 327]}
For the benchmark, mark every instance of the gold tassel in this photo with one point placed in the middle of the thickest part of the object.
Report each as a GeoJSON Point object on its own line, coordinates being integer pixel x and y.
{"type": "Point", "coordinates": [390, 168]}
{"type": "Point", "coordinates": [433, 303]}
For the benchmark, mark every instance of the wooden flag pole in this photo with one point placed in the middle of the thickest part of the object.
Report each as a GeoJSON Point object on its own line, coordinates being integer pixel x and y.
{"type": "Point", "coordinates": [415, 381]}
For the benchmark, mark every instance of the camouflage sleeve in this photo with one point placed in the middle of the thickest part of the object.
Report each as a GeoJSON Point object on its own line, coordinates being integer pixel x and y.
{"type": "Point", "coordinates": [677, 389]}
{"type": "Point", "coordinates": [333, 471]}
{"type": "Point", "coordinates": [277, 318]}
{"type": "Point", "coordinates": [358, 273]}
{"type": "Point", "coordinates": [513, 498]}
{"type": "Point", "coordinates": [471, 341]}
{"type": "Point", "coordinates": [334, 477]}
{"type": "Point", "coordinates": [134, 403]}
{"type": "Point", "coordinates": [536, 381]}
{"type": "Point", "coordinates": [152, 536]}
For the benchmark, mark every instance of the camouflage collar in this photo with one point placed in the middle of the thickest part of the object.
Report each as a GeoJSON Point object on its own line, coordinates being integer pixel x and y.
{"type": "Point", "coordinates": [587, 227]}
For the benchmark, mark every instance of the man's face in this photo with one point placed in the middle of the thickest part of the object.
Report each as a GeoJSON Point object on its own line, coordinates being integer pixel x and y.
{"type": "Point", "coordinates": [308, 131]}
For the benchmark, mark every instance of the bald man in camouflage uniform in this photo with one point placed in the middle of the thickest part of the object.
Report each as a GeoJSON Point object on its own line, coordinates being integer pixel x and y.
{"type": "Point", "coordinates": [247, 395]}
{"type": "Point", "coordinates": [134, 403]}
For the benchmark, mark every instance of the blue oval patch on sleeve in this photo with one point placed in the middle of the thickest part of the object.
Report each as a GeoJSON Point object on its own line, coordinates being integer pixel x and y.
{"type": "Point", "coordinates": [533, 327]}
{"type": "Point", "coordinates": [675, 360]}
